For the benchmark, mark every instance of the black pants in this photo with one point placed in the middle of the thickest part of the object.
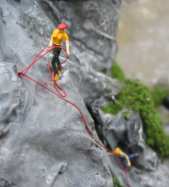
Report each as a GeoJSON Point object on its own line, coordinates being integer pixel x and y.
{"type": "Point", "coordinates": [56, 65]}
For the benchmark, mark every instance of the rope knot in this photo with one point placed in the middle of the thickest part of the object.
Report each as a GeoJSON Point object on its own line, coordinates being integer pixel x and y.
{"type": "Point", "coordinates": [20, 74]}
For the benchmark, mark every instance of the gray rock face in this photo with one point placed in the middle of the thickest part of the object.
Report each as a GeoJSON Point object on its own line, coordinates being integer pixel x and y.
{"type": "Point", "coordinates": [157, 178]}
{"type": "Point", "coordinates": [148, 160]}
{"type": "Point", "coordinates": [135, 131]}
{"type": "Point", "coordinates": [44, 142]}
{"type": "Point", "coordinates": [129, 131]}
{"type": "Point", "coordinates": [96, 84]}
{"type": "Point", "coordinates": [11, 102]}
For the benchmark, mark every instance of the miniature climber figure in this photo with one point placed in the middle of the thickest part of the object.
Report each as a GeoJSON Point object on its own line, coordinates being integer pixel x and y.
{"type": "Point", "coordinates": [57, 38]}
{"type": "Point", "coordinates": [117, 152]}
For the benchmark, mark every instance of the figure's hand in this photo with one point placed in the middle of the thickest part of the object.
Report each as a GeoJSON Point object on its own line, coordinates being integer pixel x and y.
{"type": "Point", "coordinates": [67, 48]}
{"type": "Point", "coordinates": [128, 162]}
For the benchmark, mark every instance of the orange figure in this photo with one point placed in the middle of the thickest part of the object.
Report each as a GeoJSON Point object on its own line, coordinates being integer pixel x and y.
{"type": "Point", "coordinates": [117, 152]}
{"type": "Point", "coordinates": [58, 36]}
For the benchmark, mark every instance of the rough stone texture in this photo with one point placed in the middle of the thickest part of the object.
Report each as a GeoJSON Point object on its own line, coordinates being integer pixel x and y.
{"type": "Point", "coordinates": [96, 84]}
{"type": "Point", "coordinates": [148, 160]}
{"type": "Point", "coordinates": [135, 131]}
{"type": "Point", "coordinates": [157, 178]}
{"type": "Point", "coordinates": [9, 97]}
{"type": "Point", "coordinates": [128, 131]}
{"type": "Point", "coordinates": [43, 141]}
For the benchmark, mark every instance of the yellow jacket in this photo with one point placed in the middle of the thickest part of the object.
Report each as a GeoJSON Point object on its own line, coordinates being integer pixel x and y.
{"type": "Point", "coordinates": [58, 36]}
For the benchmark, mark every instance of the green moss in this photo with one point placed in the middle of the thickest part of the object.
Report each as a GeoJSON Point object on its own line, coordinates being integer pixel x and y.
{"type": "Point", "coordinates": [111, 108]}
{"type": "Point", "coordinates": [159, 92]}
{"type": "Point", "coordinates": [116, 182]}
{"type": "Point", "coordinates": [117, 72]}
{"type": "Point", "coordinates": [136, 96]}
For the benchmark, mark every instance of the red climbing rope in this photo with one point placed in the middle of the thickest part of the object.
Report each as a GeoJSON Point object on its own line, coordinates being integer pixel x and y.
{"type": "Point", "coordinates": [60, 92]}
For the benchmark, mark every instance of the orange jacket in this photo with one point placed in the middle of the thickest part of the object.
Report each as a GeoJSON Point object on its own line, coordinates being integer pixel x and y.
{"type": "Point", "coordinates": [117, 152]}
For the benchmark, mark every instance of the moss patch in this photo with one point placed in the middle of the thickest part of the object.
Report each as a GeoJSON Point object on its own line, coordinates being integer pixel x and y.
{"type": "Point", "coordinates": [117, 72]}
{"type": "Point", "coordinates": [111, 108]}
{"type": "Point", "coordinates": [159, 92]}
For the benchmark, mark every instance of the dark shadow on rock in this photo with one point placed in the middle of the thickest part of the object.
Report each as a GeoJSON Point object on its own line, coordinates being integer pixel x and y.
{"type": "Point", "coordinates": [165, 102]}
{"type": "Point", "coordinates": [6, 183]}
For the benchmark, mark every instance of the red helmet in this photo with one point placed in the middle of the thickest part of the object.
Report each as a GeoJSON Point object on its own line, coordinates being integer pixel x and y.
{"type": "Point", "coordinates": [62, 26]}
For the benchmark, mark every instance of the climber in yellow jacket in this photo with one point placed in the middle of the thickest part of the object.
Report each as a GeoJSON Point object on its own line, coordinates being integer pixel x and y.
{"type": "Point", "coordinates": [117, 152]}
{"type": "Point", "coordinates": [58, 36]}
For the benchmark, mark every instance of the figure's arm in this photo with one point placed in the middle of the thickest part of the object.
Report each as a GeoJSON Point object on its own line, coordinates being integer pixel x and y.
{"type": "Point", "coordinates": [119, 153]}
{"type": "Point", "coordinates": [67, 42]}
{"type": "Point", "coordinates": [68, 47]}
{"type": "Point", "coordinates": [50, 42]}
{"type": "Point", "coordinates": [124, 155]}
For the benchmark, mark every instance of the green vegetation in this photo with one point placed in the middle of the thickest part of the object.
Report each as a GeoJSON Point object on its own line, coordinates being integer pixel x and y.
{"type": "Point", "coordinates": [138, 97]}
{"type": "Point", "coordinates": [112, 108]}
{"type": "Point", "coordinates": [159, 92]}
{"type": "Point", "coordinates": [116, 182]}
{"type": "Point", "coordinates": [117, 72]}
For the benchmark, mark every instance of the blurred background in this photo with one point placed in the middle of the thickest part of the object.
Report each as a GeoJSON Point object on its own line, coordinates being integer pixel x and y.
{"type": "Point", "coordinates": [143, 39]}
